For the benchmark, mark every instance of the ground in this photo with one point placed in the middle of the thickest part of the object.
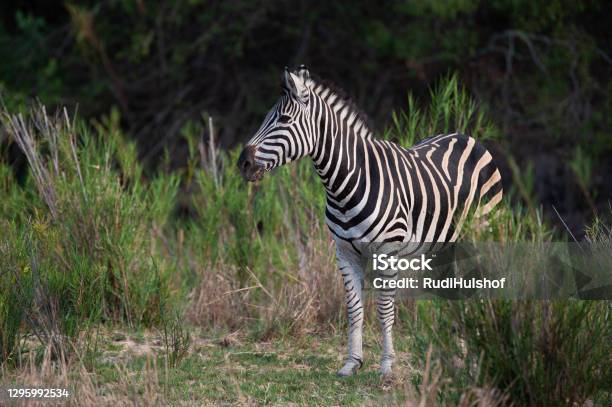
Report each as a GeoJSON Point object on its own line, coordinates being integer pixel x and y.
{"type": "Point", "coordinates": [228, 369]}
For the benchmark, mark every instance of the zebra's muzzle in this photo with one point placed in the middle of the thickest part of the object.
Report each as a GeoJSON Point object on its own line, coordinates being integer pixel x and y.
{"type": "Point", "coordinates": [249, 169]}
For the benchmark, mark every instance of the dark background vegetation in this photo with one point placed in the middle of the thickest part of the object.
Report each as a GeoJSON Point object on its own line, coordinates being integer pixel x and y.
{"type": "Point", "coordinates": [542, 69]}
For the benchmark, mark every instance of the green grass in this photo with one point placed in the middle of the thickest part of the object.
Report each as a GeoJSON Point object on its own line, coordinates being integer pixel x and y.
{"type": "Point", "coordinates": [217, 370]}
{"type": "Point", "coordinates": [81, 248]}
{"type": "Point", "coordinates": [286, 370]}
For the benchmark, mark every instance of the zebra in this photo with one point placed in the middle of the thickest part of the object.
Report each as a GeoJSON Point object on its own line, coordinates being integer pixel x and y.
{"type": "Point", "coordinates": [377, 190]}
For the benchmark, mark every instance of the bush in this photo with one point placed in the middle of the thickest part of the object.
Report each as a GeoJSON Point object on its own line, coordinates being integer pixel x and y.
{"type": "Point", "coordinates": [537, 352]}
{"type": "Point", "coordinates": [534, 352]}
{"type": "Point", "coordinates": [83, 248]}
{"type": "Point", "coordinates": [257, 253]}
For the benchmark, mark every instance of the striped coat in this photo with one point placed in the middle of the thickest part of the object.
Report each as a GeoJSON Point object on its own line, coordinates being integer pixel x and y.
{"type": "Point", "coordinates": [377, 191]}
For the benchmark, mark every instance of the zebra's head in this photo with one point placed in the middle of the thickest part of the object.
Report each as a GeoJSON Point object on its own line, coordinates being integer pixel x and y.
{"type": "Point", "coordinates": [286, 134]}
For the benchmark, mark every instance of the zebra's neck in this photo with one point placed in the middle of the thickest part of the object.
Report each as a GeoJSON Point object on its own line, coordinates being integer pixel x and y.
{"type": "Point", "coordinates": [343, 137]}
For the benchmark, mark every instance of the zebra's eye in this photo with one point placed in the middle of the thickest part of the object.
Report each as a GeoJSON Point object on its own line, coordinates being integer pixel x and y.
{"type": "Point", "coordinates": [284, 119]}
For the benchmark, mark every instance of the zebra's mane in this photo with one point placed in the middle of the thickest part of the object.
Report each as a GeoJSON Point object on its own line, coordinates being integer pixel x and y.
{"type": "Point", "coordinates": [320, 85]}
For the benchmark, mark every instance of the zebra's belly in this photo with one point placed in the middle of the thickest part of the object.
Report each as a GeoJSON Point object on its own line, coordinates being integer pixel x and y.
{"type": "Point", "coordinates": [374, 228]}
{"type": "Point", "coordinates": [401, 235]}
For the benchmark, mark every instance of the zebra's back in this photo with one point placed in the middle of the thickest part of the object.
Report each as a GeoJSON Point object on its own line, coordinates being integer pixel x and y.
{"type": "Point", "coordinates": [458, 177]}
{"type": "Point", "coordinates": [420, 194]}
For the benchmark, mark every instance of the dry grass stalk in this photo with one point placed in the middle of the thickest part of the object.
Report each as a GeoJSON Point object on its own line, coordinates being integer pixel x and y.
{"type": "Point", "coordinates": [24, 135]}
{"type": "Point", "coordinates": [311, 296]}
{"type": "Point", "coordinates": [130, 390]}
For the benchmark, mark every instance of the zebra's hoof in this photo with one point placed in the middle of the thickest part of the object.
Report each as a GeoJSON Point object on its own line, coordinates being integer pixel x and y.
{"type": "Point", "coordinates": [349, 369]}
{"type": "Point", "coordinates": [386, 367]}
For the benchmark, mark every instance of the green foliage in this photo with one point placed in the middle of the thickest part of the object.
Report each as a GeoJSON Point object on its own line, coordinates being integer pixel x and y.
{"type": "Point", "coordinates": [250, 226]}
{"type": "Point", "coordinates": [582, 166]}
{"type": "Point", "coordinates": [16, 288]}
{"type": "Point", "coordinates": [538, 352]}
{"type": "Point", "coordinates": [85, 244]}
{"type": "Point", "coordinates": [176, 338]}
{"type": "Point", "coordinates": [523, 183]}
{"type": "Point", "coordinates": [450, 109]}
{"type": "Point", "coordinates": [535, 352]}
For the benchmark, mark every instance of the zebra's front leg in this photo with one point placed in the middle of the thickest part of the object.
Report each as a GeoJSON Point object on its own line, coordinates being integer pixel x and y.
{"type": "Point", "coordinates": [353, 285]}
{"type": "Point", "coordinates": [385, 308]}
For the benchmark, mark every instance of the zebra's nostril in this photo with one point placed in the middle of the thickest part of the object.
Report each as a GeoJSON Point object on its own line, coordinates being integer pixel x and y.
{"type": "Point", "coordinates": [245, 161]}
{"type": "Point", "coordinates": [247, 165]}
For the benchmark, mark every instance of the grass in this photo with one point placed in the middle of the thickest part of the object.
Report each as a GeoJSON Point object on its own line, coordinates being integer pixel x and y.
{"type": "Point", "coordinates": [189, 286]}
{"type": "Point", "coordinates": [132, 367]}
{"type": "Point", "coordinates": [451, 109]}
{"type": "Point", "coordinates": [81, 248]}
{"type": "Point", "coordinates": [539, 352]}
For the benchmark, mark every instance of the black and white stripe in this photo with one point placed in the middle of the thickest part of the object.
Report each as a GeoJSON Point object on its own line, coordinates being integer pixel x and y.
{"type": "Point", "coordinates": [377, 191]}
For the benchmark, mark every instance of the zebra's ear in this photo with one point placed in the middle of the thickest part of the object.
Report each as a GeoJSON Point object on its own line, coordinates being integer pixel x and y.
{"type": "Point", "coordinates": [303, 73]}
{"type": "Point", "coordinates": [296, 83]}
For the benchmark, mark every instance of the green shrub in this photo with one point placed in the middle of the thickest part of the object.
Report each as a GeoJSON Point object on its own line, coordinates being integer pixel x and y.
{"type": "Point", "coordinates": [537, 352]}
{"type": "Point", "coordinates": [87, 241]}
{"type": "Point", "coordinates": [451, 109]}
{"type": "Point", "coordinates": [16, 292]}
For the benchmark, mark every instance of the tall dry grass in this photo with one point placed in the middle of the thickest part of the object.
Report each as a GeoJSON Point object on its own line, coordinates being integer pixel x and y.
{"type": "Point", "coordinates": [311, 296]}
{"type": "Point", "coordinates": [71, 373]}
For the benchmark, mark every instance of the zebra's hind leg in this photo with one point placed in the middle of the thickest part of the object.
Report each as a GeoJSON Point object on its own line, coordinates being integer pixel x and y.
{"type": "Point", "coordinates": [353, 284]}
{"type": "Point", "coordinates": [385, 308]}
